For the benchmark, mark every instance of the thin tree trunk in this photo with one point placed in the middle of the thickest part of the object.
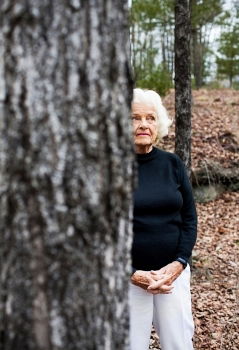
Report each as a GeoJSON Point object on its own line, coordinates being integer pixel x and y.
{"type": "Point", "coordinates": [196, 47]}
{"type": "Point", "coordinates": [164, 61]}
{"type": "Point", "coordinates": [183, 82]}
{"type": "Point", "coordinates": [66, 174]}
{"type": "Point", "coordinates": [197, 59]}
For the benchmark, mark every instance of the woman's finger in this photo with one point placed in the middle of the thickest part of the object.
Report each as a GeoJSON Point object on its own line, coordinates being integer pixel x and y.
{"type": "Point", "coordinates": [160, 275]}
{"type": "Point", "coordinates": [159, 282]}
{"type": "Point", "coordinates": [161, 286]}
{"type": "Point", "coordinates": [158, 272]}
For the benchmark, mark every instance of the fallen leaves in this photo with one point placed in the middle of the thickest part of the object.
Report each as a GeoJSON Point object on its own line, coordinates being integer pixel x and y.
{"type": "Point", "coordinates": [215, 274]}
{"type": "Point", "coordinates": [215, 126]}
{"type": "Point", "coordinates": [215, 138]}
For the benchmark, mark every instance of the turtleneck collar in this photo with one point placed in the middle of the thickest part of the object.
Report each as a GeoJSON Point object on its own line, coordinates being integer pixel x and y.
{"type": "Point", "coordinates": [145, 157]}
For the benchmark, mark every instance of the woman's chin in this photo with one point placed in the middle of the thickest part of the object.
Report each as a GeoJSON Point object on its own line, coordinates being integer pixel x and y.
{"type": "Point", "coordinates": [143, 141]}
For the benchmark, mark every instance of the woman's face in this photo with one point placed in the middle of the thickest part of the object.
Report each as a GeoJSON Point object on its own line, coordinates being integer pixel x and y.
{"type": "Point", "coordinates": [145, 128]}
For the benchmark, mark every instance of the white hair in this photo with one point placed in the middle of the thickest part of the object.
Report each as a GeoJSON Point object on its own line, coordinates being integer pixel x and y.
{"type": "Point", "coordinates": [150, 97]}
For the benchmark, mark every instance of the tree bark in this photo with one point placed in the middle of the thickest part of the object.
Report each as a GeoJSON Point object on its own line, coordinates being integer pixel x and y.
{"type": "Point", "coordinates": [66, 174]}
{"type": "Point", "coordinates": [183, 82]}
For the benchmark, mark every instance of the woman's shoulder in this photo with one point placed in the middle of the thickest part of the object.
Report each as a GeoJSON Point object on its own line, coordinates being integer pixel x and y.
{"type": "Point", "coordinates": [170, 156]}
{"type": "Point", "coordinates": [172, 160]}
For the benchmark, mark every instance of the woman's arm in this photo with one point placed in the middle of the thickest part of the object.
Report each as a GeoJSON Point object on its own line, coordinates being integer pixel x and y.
{"type": "Point", "coordinates": [189, 216]}
{"type": "Point", "coordinates": [188, 229]}
{"type": "Point", "coordinates": [158, 283]}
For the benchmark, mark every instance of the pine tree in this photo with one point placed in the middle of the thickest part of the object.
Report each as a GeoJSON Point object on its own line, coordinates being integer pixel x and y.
{"type": "Point", "coordinates": [228, 61]}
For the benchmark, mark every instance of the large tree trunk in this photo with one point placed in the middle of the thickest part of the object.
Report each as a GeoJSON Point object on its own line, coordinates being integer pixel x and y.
{"type": "Point", "coordinates": [66, 174]}
{"type": "Point", "coordinates": [183, 82]}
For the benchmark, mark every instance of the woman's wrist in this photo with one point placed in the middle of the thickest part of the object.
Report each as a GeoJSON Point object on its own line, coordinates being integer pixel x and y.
{"type": "Point", "coordinates": [182, 261]}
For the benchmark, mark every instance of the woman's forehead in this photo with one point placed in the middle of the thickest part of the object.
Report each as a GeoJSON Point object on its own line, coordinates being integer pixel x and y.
{"type": "Point", "coordinates": [145, 108]}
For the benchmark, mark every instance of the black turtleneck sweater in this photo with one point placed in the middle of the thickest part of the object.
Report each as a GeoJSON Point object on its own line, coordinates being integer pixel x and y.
{"type": "Point", "coordinates": [165, 220]}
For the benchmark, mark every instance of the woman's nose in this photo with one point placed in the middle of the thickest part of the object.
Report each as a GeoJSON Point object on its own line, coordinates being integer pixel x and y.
{"type": "Point", "coordinates": [143, 122]}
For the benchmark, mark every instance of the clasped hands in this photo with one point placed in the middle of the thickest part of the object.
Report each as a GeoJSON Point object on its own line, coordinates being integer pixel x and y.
{"type": "Point", "coordinates": [158, 281]}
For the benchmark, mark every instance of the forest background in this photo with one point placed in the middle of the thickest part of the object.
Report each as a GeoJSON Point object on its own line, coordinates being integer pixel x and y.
{"type": "Point", "coordinates": [215, 140]}
{"type": "Point", "coordinates": [67, 165]}
{"type": "Point", "coordinates": [214, 43]}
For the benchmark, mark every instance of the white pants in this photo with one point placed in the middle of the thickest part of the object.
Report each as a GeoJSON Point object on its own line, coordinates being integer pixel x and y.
{"type": "Point", "coordinates": [170, 314]}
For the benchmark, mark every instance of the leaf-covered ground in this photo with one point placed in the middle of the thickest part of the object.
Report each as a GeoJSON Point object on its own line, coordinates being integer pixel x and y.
{"type": "Point", "coordinates": [215, 136]}
{"type": "Point", "coordinates": [215, 274]}
{"type": "Point", "coordinates": [215, 127]}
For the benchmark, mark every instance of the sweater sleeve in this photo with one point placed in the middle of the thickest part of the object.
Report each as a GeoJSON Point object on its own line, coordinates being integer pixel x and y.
{"type": "Point", "coordinates": [188, 215]}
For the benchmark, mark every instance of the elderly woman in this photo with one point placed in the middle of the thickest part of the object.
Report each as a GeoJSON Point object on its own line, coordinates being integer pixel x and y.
{"type": "Point", "coordinates": [165, 225]}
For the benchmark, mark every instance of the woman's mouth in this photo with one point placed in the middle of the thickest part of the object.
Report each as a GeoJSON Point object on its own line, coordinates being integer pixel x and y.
{"type": "Point", "coordinates": [142, 134]}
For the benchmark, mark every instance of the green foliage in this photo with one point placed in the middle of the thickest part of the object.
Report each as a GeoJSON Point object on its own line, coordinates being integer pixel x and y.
{"type": "Point", "coordinates": [213, 85]}
{"type": "Point", "coordinates": [235, 85]}
{"type": "Point", "coordinates": [205, 11]}
{"type": "Point", "coordinates": [154, 12]}
{"type": "Point", "coordinates": [228, 61]}
{"type": "Point", "coordinates": [152, 24]}
{"type": "Point", "coordinates": [159, 79]}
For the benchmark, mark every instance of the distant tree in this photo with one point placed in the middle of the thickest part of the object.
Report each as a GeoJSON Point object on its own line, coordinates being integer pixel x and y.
{"type": "Point", "coordinates": [183, 82]}
{"type": "Point", "coordinates": [66, 175]}
{"type": "Point", "coordinates": [228, 61]}
{"type": "Point", "coordinates": [204, 15]}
